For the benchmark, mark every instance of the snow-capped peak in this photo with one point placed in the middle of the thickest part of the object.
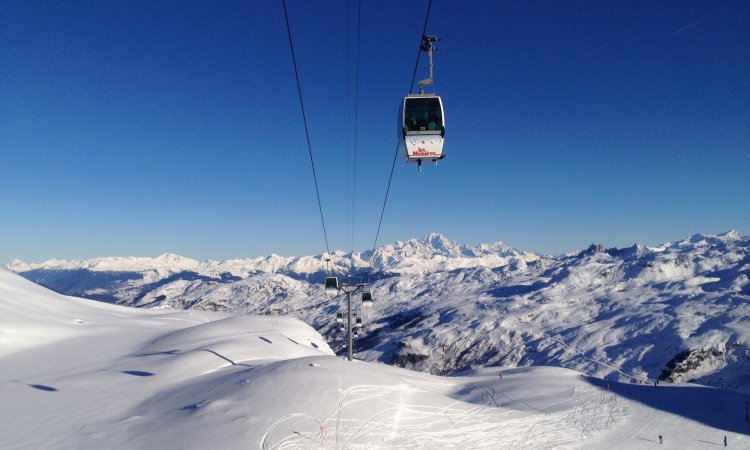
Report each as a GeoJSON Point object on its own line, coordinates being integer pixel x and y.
{"type": "Point", "coordinates": [634, 251]}
{"type": "Point", "coordinates": [731, 235]}
{"type": "Point", "coordinates": [171, 257]}
{"type": "Point", "coordinates": [699, 239]}
{"type": "Point", "coordinates": [437, 240]}
{"type": "Point", "coordinates": [593, 248]}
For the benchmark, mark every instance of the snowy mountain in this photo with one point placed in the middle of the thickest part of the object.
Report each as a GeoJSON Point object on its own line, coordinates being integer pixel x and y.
{"type": "Point", "coordinates": [679, 312]}
{"type": "Point", "coordinates": [431, 252]}
{"type": "Point", "coordinates": [78, 373]}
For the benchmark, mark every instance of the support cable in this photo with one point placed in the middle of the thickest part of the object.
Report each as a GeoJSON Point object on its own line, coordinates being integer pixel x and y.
{"type": "Point", "coordinates": [307, 132]}
{"type": "Point", "coordinates": [395, 153]}
{"type": "Point", "coordinates": [419, 52]}
{"type": "Point", "coordinates": [347, 181]}
{"type": "Point", "coordinates": [356, 123]}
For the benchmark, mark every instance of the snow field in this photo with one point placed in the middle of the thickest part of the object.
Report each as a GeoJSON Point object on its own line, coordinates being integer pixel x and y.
{"type": "Point", "coordinates": [130, 378]}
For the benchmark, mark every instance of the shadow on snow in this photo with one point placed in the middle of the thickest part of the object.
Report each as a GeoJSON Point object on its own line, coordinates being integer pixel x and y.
{"type": "Point", "coordinates": [716, 408]}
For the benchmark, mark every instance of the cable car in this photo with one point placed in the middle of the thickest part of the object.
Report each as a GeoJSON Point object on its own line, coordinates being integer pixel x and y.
{"type": "Point", "coordinates": [366, 299]}
{"type": "Point", "coordinates": [339, 317]}
{"type": "Point", "coordinates": [422, 128]}
{"type": "Point", "coordinates": [358, 322]}
{"type": "Point", "coordinates": [332, 286]}
{"type": "Point", "coordinates": [421, 120]}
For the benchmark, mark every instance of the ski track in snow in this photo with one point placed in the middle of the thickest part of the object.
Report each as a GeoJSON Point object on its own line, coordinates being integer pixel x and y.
{"type": "Point", "coordinates": [458, 425]}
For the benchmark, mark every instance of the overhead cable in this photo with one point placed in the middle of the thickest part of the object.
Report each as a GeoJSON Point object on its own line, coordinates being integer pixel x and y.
{"type": "Point", "coordinates": [395, 153]}
{"type": "Point", "coordinates": [307, 132]}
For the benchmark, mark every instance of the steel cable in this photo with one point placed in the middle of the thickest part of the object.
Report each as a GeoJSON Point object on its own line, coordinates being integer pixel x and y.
{"type": "Point", "coordinates": [395, 153]}
{"type": "Point", "coordinates": [307, 132]}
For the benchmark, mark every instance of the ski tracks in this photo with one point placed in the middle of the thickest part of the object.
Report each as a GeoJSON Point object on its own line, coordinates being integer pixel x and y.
{"type": "Point", "coordinates": [368, 416]}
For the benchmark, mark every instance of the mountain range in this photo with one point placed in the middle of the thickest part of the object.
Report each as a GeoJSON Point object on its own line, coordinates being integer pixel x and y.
{"type": "Point", "coordinates": [678, 312]}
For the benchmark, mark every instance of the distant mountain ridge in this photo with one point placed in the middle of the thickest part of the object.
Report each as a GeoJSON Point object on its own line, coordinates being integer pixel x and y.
{"type": "Point", "coordinates": [402, 256]}
{"type": "Point", "coordinates": [678, 312]}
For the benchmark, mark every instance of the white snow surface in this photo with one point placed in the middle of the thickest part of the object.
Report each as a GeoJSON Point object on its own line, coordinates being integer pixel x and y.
{"type": "Point", "coordinates": [76, 373]}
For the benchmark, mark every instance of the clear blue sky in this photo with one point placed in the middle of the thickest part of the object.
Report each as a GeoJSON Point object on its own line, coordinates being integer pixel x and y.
{"type": "Point", "coordinates": [136, 128]}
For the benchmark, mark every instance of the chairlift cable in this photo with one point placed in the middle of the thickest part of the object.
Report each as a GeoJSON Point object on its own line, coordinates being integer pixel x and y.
{"type": "Point", "coordinates": [356, 123]}
{"type": "Point", "coordinates": [395, 153]}
{"type": "Point", "coordinates": [307, 132]}
{"type": "Point", "coordinates": [348, 122]}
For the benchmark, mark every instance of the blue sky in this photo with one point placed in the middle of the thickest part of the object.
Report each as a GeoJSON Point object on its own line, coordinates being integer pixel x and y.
{"type": "Point", "coordinates": [137, 128]}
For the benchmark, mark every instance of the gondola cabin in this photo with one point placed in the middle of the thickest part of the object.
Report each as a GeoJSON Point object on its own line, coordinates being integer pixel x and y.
{"type": "Point", "coordinates": [332, 286]}
{"type": "Point", "coordinates": [367, 299]}
{"type": "Point", "coordinates": [421, 127]}
{"type": "Point", "coordinates": [339, 317]}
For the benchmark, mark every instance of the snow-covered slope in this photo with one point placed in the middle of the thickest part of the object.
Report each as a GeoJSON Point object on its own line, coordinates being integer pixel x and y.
{"type": "Point", "coordinates": [146, 378]}
{"type": "Point", "coordinates": [677, 312]}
